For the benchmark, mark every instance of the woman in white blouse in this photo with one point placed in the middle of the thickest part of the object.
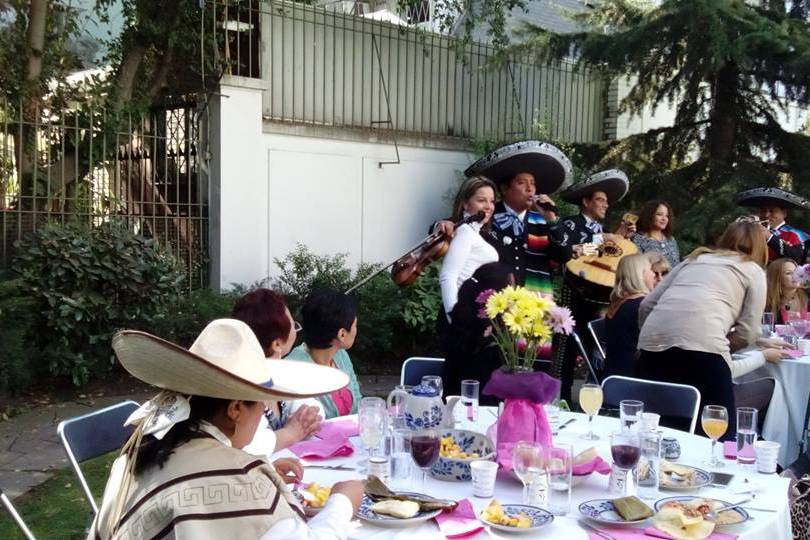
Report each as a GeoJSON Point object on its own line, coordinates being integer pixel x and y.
{"type": "Point", "coordinates": [468, 249]}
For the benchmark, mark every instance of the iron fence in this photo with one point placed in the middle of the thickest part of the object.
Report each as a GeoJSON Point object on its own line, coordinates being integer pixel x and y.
{"type": "Point", "coordinates": [344, 69]}
{"type": "Point", "coordinates": [83, 164]}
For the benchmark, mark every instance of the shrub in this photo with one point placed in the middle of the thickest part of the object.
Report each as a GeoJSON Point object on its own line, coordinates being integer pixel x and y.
{"type": "Point", "coordinates": [192, 313]}
{"type": "Point", "coordinates": [17, 334]}
{"type": "Point", "coordinates": [89, 282]}
{"type": "Point", "coordinates": [424, 301]}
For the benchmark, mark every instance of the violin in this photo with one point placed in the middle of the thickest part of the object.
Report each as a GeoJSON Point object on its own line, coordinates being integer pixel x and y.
{"type": "Point", "coordinates": [410, 266]}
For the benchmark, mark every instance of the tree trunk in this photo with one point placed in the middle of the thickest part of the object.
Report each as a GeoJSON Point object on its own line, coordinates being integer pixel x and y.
{"type": "Point", "coordinates": [722, 133]}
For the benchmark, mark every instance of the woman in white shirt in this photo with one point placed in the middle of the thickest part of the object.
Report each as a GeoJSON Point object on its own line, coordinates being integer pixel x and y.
{"type": "Point", "coordinates": [468, 249]}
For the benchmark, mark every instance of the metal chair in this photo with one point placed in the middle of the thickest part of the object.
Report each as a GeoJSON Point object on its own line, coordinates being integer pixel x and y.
{"type": "Point", "coordinates": [585, 355]}
{"type": "Point", "coordinates": [416, 367]}
{"type": "Point", "coordinates": [598, 333]}
{"type": "Point", "coordinates": [667, 399]}
{"type": "Point", "coordinates": [757, 394]}
{"type": "Point", "coordinates": [15, 516]}
{"type": "Point", "coordinates": [95, 434]}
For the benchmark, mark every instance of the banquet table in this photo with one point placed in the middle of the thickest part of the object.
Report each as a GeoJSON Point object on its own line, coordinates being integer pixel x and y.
{"type": "Point", "coordinates": [770, 490]}
{"type": "Point", "coordinates": [784, 422]}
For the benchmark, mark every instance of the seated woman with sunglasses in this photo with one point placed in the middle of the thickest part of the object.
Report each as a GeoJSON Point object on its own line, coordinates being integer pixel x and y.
{"type": "Point", "coordinates": [660, 266]}
{"type": "Point", "coordinates": [286, 422]}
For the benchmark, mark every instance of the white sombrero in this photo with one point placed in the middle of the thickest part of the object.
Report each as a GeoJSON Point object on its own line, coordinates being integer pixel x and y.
{"type": "Point", "coordinates": [613, 183]}
{"type": "Point", "coordinates": [551, 169]}
{"type": "Point", "coordinates": [771, 196]}
{"type": "Point", "coordinates": [226, 362]}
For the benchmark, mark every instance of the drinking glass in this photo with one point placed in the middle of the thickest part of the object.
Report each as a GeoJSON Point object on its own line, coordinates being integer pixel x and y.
{"type": "Point", "coordinates": [630, 412]}
{"type": "Point", "coordinates": [768, 321]}
{"type": "Point", "coordinates": [559, 462]}
{"type": "Point", "coordinates": [590, 400]}
{"type": "Point", "coordinates": [425, 450]}
{"type": "Point", "coordinates": [401, 456]}
{"type": "Point", "coordinates": [469, 399]}
{"type": "Point", "coordinates": [714, 421]}
{"type": "Point", "coordinates": [371, 418]}
{"type": "Point", "coordinates": [746, 435]}
{"type": "Point", "coordinates": [527, 462]}
{"type": "Point", "coordinates": [436, 382]}
{"type": "Point", "coordinates": [396, 405]}
{"type": "Point", "coordinates": [798, 325]}
{"type": "Point", "coordinates": [625, 448]}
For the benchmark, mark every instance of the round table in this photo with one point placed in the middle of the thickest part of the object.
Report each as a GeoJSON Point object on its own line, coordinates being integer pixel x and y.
{"type": "Point", "coordinates": [771, 490]}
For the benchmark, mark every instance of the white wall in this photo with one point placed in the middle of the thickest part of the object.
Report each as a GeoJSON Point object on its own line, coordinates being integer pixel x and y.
{"type": "Point", "coordinates": [274, 187]}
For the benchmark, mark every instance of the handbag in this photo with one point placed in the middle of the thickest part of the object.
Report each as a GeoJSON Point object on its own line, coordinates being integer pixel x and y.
{"type": "Point", "coordinates": [800, 508]}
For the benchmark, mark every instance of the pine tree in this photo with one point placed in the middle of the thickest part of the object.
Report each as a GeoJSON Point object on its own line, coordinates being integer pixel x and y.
{"type": "Point", "coordinates": [729, 67]}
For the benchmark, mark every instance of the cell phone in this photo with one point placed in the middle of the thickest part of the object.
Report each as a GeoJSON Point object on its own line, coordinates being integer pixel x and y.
{"type": "Point", "coordinates": [721, 479]}
{"type": "Point", "coordinates": [630, 218]}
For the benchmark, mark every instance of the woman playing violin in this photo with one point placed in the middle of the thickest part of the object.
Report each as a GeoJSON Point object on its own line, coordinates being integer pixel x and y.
{"type": "Point", "coordinates": [468, 249]}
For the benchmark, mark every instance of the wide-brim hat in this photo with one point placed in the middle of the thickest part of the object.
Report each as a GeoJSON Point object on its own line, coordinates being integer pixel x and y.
{"type": "Point", "coordinates": [613, 183]}
{"type": "Point", "coordinates": [551, 169]}
{"type": "Point", "coordinates": [771, 196]}
{"type": "Point", "coordinates": [226, 361]}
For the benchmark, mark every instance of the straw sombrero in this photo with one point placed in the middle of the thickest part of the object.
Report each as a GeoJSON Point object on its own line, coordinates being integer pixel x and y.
{"type": "Point", "coordinates": [613, 183]}
{"type": "Point", "coordinates": [226, 362]}
{"type": "Point", "coordinates": [771, 196]}
{"type": "Point", "coordinates": [549, 166]}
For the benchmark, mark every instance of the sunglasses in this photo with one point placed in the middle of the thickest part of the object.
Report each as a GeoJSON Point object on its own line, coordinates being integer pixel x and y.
{"type": "Point", "coordinates": [661, 274]}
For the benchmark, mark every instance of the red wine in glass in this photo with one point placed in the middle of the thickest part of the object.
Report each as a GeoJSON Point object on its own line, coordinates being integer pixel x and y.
{"type": "Point", "coordinates": [425, 450]}
{"type": "Point", "coordinates": [625, 456]}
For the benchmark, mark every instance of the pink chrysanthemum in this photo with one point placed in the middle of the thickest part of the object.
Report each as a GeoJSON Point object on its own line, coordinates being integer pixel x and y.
{"type": "Point", "coordinates": [483, 296]}
{"type": "Point", "coordinates": [561, 320]}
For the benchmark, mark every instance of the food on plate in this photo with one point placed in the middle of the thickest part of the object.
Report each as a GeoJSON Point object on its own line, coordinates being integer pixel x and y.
{"type": "Point", "coordinates": [586, 456]}
{"type": "Point", "coordinates": [449, 448]}
{"type": "Point", "coordinates": [397, 509]}
{"type": "Point", "coordinates": [320, 494]}
{"type": "Point", "coordinates": [494, 514]}
{"type": "Point", "coordinates": [376, 490]}
{"type": "Point", "coordinates": [631, 508]}
{"type": "Point", "coordinates": [701, 507]}
{"type": "Point", "coordinates": [682, 522]}
{"type": "Point", "coordinates": [674, 474]}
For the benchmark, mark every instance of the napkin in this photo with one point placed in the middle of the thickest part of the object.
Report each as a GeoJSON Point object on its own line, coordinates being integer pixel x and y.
{"type": "Point", "coordinates": [596, 464]}
{"type": "Point", "coordinates": [323, 448]}
{"type": "Point", "coordinates": [793, 353]}
{"type": "Point", "coordinates": [338, 429]}
{"type": "Point", "coordinates": [649, 532]}
{"type": "Point", "coordinates": [460, 522]}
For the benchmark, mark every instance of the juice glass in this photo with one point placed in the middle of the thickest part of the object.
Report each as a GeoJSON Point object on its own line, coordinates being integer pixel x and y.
{"type": "Point", "coordinates": [714, 421]}
{"type": "Point", "coordinates": [590, 400]}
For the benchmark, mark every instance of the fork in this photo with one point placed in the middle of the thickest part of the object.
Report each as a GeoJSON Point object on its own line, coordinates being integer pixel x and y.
{"type": "Point", "coordinates": [712, 516]}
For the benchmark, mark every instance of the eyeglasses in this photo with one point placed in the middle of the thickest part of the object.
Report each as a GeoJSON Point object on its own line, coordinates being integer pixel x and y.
{"type": "Point", "coordinates": [661, 274]}
{"type": "Point", "coordinates": [297, 326]}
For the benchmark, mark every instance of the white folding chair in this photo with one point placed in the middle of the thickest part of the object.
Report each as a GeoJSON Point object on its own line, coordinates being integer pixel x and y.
{"type": "Point", "coordinates": [664, 398]}
{"type": "Point", "coordinates": [416, 367]}
{"type": "Point", "coordinates": [15, 516]}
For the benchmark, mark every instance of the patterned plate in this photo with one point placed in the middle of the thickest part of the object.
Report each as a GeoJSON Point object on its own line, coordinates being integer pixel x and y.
{"type": "Point", "coordinates": [538, 516]}
{"type": "Point", "coordinates": [669, 482]}
{"type": "Point", "coordinates": [603, 511]}
{"type": "Point", "coordinates": [366, 514]}
{"type": "Point", "coordinates": [727, 517]}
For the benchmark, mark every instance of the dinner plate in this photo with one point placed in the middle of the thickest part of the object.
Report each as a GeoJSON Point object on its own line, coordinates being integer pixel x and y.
{"type": "Point", "coordinates": [538, 516]}
{"type": "Point", "coordinates": [702, 479]}
{"type": "Point", "coordinates": [367, 514]}
{"type": "Point", "coordinates": [603, 511]}
{"type": "Point", "coordinates": [737, 515]}
{"type": "Point", "coordinates": [309, 511]}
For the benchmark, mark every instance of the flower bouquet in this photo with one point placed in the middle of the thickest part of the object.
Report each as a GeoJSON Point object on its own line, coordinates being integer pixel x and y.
{"type": "Point", "coordinates": [801, 276]}
{"type": "Point", "coordinates": [522, 322]}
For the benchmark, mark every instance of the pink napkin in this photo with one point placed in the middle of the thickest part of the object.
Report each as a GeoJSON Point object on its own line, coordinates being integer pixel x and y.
{"type": "Point", "coordinates": [794, 353]}
{"type": "Point", "coordinates": [321, 449]}
{"type": "Point", "coordinates": [338, 429]}
{"type": "Point", "coordinates": [596, 464]}
{"type": "Point", "coordinates": [633, 534]}
{"type": "Point", "coordinates": [459, 523]}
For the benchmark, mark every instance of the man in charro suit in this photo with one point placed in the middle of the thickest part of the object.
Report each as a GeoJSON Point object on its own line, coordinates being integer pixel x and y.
{"type": "Point", "coordinates": [773, 204]}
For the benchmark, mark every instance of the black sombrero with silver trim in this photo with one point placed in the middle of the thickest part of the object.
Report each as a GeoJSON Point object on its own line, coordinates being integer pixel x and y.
{"type": "Point", "coordinates": [613, 183]}
{"type": "Point", "coordinates": [771, 196]}
{"type": "Point", "coordinates": [552, 170]}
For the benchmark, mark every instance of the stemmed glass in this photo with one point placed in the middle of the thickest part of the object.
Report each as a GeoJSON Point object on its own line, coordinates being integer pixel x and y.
{"type": "Point", "coordinates": [425, 450]}
{"type": "Point", "coordinates": [435, 381]}
{"type": "Point", "coordinates": [714, 421]}
{"type": "Point", "coordinates": [528, 464]}
{"type": "Point", "coordinates": [371, 418]}
{"type": "Point", "coordinates": [590, 399]}
{"type": "Point", "coordinates": [797, 324]}
{"type": "Point", "coordinates": [625, 448]}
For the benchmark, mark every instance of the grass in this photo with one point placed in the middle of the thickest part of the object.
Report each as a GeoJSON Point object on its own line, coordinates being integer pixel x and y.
{"type": "Point", "coordinates": [57, 508]}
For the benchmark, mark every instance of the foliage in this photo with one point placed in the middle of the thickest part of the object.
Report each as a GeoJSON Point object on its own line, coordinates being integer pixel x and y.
{"type": "Point", "coordinates": [729, 70]}
{"type": "Point", "coordinates": [191, 314]}
{"type": "Point", "coordinates": [17, 334]}
{"type": "Point", "coordinates": [424, 301]}
{"type": "Point", "coordinates": [89, 282]}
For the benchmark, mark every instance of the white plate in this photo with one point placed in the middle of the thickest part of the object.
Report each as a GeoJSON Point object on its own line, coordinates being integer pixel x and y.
{"type": "Point", "coordinates": [538, 516]}
{"type": "Point", "coordinates": [603, 511]}
{"type": "Point", "coordinates": [702, 479]}
{"type": "Point", "coordinates": [366, 514]}
{"type": "Point", "coordinates": [741, 514]}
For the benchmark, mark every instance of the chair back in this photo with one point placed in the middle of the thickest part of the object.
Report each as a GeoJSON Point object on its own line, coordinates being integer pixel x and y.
{"type": "Point", "coordinates": [6, 502]}
{"type": "Point", "coordinates": [598, 333]}
{"type": "Point", "coordinates": [95, 434]}
{"type": "Point", "coordinates": [578, 342]}
{"type": "Point", "coordinates": [667, 399]}
{"type": "Point", "coordinates": [757, 394]}
{"type": "Point", "coordinates": [416, 367]}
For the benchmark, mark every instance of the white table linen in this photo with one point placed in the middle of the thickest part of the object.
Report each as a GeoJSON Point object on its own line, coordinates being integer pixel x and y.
{"type": "Point", "coordinates": [771, 490]}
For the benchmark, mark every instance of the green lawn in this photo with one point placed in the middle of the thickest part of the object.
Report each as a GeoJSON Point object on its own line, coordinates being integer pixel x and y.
{"type": "Point", "coordinates": [58, 508]}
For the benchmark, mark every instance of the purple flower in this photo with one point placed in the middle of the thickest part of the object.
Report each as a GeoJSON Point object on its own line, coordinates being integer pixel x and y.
{"type": "Point", "coordinates": [482, 313]}
{"type": "Point", "coordinates": [801, 275]}
{"type": "Point", "coordinates": [561, 320]}
{"type": "Point", "coordinates": [483, 296]}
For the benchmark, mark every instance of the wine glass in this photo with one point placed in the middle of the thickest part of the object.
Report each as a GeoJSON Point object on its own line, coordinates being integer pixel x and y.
{"type": "Point", "coordinates": [625, 448]}
{"type": "Point", "coordinates": [425, 450]}
{"type": "Point", "coordinates": [434, 381]}
{"type": "Point", "coordinates": [590, 400]}
{"type": "Point", "coordinates": [371, 417]}
{"type": "Point", "coordinates": [714, 421]}
{"type": "Point", "coordinates": [528, 464]}
{"type": "Point", "coordinates": [797, 324]}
